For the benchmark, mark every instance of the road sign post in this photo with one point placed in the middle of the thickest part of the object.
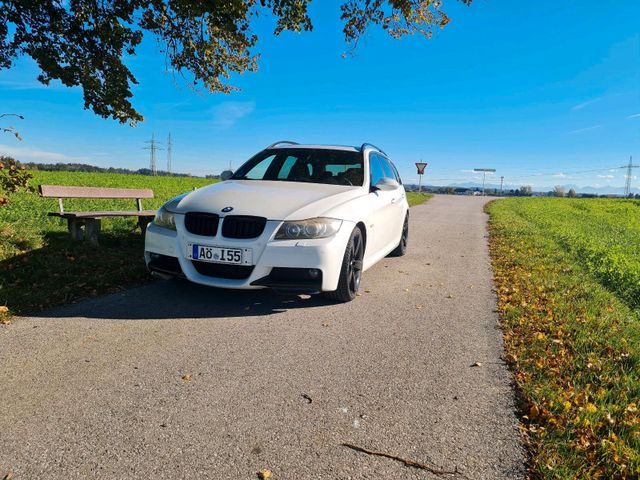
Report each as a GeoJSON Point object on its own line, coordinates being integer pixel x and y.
{"type": "Point", "coordinates": [484, 175]}
{"type": "Point", "coordinates": [421, 167]}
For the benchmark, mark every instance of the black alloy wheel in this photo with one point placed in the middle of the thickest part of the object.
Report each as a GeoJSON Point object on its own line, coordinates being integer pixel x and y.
{"type": "Point", "coordinates": [351, 271]}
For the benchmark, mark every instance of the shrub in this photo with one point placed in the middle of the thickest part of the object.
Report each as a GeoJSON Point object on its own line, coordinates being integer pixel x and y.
{"type": "Point", "coordinates": [13, 178]}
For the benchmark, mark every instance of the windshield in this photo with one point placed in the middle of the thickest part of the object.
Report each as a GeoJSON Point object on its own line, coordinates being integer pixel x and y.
{"type": "Point", "coordinates": [312, 165]}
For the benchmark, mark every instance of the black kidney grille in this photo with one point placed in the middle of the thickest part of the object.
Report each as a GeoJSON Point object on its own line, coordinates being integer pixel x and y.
{"type": "Point", "coordinates": [205, 224]}
{"type": "Point", "coordinates": [241, 226]}
{"type": "Point", "coordinates": [221, 270]}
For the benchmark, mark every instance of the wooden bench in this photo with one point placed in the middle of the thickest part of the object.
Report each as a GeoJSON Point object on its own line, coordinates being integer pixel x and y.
{"type": "Point", "coordinates": [86, 225]}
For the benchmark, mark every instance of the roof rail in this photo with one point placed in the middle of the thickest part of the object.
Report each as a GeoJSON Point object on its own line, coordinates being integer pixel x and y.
{"type": "Point", "coordinates": [287, 142]}
{"type": "Point", "coordinates": [365, 145]}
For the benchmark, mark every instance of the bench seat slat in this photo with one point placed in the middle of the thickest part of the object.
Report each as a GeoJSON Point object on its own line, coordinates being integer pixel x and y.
{"type": "Point", "coordinates": [132, 213]}
{"type": "Point", "coordinates": [64, 191]}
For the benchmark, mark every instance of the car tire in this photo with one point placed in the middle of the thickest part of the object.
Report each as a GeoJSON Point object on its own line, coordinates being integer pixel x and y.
{"type": "Point", "coordinates": [401, 249]}
{"type": "Point", "coordinates": [351, 270]}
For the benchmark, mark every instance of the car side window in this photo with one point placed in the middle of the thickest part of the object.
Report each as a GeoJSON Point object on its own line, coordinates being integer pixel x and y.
{"type": "Point", "coordinates": [376, 169]}
{"type": "Point", "coordinates": [396, 175]}
{"type": "Point", "coordinates": [388, 169]}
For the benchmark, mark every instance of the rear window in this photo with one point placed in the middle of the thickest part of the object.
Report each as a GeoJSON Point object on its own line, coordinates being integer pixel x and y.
{"type": "Point", "coordinates": [337, 167]}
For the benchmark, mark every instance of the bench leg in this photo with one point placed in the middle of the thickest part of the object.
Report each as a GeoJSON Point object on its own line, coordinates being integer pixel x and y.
{"type": "Point", "coordinates": [75, 229]}
{"type": "Point", "coordinates": [92, 229]}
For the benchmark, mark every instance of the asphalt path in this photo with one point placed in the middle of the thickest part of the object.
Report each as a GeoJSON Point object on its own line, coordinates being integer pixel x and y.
{"type": "Point", "coordinates": [173, 380]}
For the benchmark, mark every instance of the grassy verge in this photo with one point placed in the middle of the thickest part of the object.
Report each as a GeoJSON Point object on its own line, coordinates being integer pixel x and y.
{"type": "Point", "coordinates": [565, 273]}
{"type": "Point", "coordinates": [415, 198]}
{"type": "Point", "coordinates": [41, 268]}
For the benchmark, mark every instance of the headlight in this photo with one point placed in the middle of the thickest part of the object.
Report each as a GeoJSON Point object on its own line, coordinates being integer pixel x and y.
{"type": "Point", "coordinates": [165, 219]}
{"type": "Point", "coordinates": [312, 228]}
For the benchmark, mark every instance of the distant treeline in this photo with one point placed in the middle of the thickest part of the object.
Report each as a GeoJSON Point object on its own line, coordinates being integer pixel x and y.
{"type": "Point", "coordinates": [83, 167]}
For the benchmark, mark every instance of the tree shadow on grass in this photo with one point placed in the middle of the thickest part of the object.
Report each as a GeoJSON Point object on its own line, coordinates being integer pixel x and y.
{"type": "Point", "coordinates": [62, 271]}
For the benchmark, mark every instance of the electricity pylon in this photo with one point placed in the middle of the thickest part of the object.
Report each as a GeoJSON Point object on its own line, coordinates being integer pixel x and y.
{"type": "Point", "coordinates": [627, 186]}
{"type": "Point", "coordinates": [169, 153]}
{"type": "Point", "coordinates": [153, 147]}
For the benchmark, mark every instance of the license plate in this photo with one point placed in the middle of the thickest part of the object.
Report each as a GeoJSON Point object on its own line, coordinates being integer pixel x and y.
{"type": "Point", "coordinates": [212, 254]}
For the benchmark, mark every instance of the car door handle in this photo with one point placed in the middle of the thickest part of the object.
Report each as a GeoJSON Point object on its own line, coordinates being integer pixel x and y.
{"type": "Point", "coordinates": [393, 200]}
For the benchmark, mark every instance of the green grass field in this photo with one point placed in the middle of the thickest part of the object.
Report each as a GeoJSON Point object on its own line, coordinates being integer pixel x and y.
{"type": "Point", "coordinates": [42, 268]}
{"type": "Point", "coordinates": [568, 282]}
{"type": "Point", "coordinates": [415, 198]}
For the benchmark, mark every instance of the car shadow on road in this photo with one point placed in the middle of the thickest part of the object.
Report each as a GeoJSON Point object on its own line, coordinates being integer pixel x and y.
{"type": "Point", "coordinates": [174, 299]}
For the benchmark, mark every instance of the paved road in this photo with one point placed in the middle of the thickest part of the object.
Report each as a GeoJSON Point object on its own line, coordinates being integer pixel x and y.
{"type": "Point", "coordinates": [95, 390]}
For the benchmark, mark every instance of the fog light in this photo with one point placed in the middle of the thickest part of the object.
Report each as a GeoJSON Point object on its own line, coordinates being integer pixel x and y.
{"type": "Point", "coordinates": [314, 273]}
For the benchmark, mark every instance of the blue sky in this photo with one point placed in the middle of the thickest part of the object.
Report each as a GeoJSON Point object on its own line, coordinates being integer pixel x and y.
{"type": "Point", "coordinates": [546, 92]}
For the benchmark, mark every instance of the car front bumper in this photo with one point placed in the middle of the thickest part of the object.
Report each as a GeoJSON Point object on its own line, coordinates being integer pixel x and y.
{"type": "Point", "coordinates": [292, 265]}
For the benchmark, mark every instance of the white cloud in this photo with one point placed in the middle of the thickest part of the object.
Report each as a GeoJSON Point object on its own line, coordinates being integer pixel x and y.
{"type": "Point", "coordinates": [635, 115]}
{"type": "Point", "coordinates": [586, 129]}
{"type": "Point", "coordinates": [559, 175]}
{"type": "Point", "coordinates": [33, 154]}
{"type": "Point", "coordinates": [605, 176]}
{"type": "Point", "coordinates": [468, 170]}
{"type": "Point", "coordinates": [228, 113]}
{"type": "Point", "coordinates": [582, 105]}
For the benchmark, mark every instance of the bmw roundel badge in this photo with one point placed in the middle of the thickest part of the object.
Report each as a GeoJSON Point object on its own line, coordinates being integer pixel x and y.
{"type": "Point", "coordinates": [227, 209]}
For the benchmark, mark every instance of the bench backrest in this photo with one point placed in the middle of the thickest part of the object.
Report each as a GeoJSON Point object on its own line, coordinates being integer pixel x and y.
{"type": "Point", "coordinates": [63, 191]}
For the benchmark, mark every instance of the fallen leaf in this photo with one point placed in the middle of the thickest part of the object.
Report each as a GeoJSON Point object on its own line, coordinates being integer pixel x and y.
{"type": "Point", "coordinates": [534, 412]}
{"type": "Point", "coordinates": [186, 377]}
{"type": "Point", "coordinates": [4, 309]}
{"type": "Point", "coordinates": [476, 364]}
{"type": "Point", "coordinates": [264, 474]}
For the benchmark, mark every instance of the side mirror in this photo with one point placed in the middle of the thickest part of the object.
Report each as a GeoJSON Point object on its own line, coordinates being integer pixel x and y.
{"type": "Point", "coordinates": [226, 175]}
{"type": "Point", "coordinates": [386, 184]}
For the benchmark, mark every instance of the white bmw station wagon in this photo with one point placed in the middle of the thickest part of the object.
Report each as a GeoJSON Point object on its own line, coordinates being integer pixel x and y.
{"type": "Point", "coordinates": [294, 218]}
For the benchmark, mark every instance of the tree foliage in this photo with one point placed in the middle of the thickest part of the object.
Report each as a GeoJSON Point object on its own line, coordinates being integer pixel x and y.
{"type": "Point", "coordinates": [13, 178]}
{"type": "Point", "coordinates": [84, 42]}
{"type": "Point", "coordinates": [558, 191]}
{"type": "Point", "coordinates": [524, 191]}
